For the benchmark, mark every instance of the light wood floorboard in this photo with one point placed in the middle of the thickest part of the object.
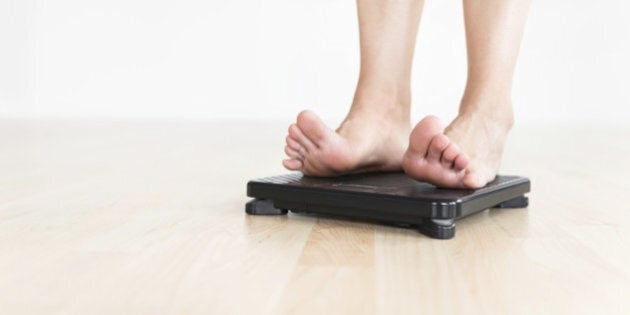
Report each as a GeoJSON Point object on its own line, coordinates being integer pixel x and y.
{"type": "Point", "coordinates": [148, 218]}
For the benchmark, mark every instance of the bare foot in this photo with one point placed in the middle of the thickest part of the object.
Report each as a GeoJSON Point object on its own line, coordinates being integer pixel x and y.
{"type": "Point", "coordinates": [368, 140]}
{"type": "Point", "coordinates": [432, 157]}
{"type": "Point", "coordinates": [466, 154]}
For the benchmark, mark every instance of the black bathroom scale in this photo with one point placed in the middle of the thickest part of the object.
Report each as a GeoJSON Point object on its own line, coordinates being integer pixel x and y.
{"type": "Point", "coordinates": [392, 198]}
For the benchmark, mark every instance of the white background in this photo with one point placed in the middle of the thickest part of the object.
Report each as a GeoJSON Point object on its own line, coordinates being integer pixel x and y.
{"type": "Point", "coordinates": [206, 59]}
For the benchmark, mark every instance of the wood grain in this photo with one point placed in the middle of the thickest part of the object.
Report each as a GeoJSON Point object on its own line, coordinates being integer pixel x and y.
{"type": "Point", "coordinates": [102, 217]}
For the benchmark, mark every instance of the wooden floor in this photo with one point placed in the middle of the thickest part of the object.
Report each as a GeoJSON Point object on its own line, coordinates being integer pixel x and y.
{"type": "Point", "coordinates": [148, 218]}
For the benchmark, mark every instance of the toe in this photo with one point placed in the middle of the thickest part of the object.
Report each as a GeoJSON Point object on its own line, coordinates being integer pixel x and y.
{"type": "Point", "coordinates": [474, 180]}
{"type": "Point", "coordinates": [450, 153]}
{"type": "Point", "coordinates": [296, 133]}
{"type": "Point", "coordinates": [423, 133]}
{"type": "Point", "coordinates": [312, 127]}
{"type": "Point", "coordinates": [293, 144]}
{"type": "Point", "coordinates": [461, 162]}
{"type": "Point", "coordinates": [292, 164]}
{"type": "Point", "coordinates": [439, 143]}
{"type": "Point", "coordinates": [292, 153]}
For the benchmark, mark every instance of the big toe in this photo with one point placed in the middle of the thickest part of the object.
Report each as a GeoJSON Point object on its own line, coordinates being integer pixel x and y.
{"type": "Point", "coordinates": [423, 133]}
{"type": "Point", "coordinates": [312, 126]}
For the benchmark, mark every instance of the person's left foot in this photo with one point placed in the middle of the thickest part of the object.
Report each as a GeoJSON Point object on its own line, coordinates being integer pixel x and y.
{"type": "Point", "coordinates": [466, 154]}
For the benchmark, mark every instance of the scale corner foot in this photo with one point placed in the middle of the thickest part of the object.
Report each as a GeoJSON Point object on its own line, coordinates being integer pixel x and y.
{"type": "Point", "coordinates": [263, 207]}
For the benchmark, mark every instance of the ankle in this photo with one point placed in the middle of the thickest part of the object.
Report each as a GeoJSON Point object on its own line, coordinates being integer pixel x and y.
{"type": "Point", "coordinates": [388, 104]}
{"type": "Point", "coordinates": [495, 111]}
{"type": "Point", "coordinates": [386, 111]}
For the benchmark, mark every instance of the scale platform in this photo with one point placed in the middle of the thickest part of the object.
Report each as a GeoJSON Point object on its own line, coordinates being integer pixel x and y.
{"type": "Point", "coordinates": [391, 198]}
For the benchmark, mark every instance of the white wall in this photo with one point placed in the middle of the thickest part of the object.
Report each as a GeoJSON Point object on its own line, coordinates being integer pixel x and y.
{"type": "Point", "coordinates": [268, 59]}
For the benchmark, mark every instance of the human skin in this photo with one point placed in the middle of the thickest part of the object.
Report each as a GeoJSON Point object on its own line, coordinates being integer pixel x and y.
{"type": "Point", "coordinates": [375, 135]}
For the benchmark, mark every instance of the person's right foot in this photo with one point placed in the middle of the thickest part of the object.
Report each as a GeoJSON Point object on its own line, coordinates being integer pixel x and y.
{"type": "Point", "coordinates": [369, 139]}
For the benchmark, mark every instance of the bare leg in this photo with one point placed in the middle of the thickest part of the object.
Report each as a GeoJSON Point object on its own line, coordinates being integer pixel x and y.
{"type": "Point", "coordinates": [373, 137]}
{"type": "Point", "coordinates": [468, 152]}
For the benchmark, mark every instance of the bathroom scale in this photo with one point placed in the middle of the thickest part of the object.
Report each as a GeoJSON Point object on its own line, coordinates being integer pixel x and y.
{"type": "Point", "coordinates": [390, 198]}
